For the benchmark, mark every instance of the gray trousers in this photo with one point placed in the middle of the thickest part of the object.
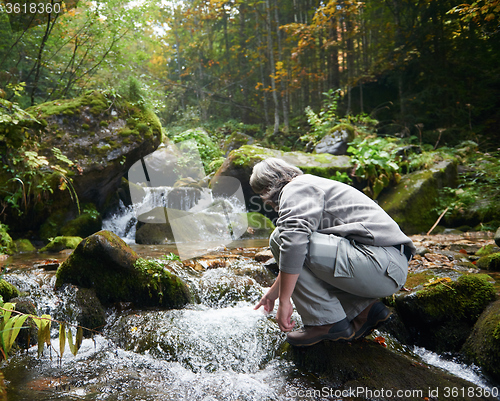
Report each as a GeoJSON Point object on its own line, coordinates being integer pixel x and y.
{"type": "Point", "coordinates": [340, 278]}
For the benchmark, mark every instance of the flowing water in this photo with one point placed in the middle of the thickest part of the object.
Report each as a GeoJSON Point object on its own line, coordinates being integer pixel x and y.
{"type": "Point", "coordinates": [217, 349]}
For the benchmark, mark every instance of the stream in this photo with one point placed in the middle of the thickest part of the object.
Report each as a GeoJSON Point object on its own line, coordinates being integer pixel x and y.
{"type": "Point", "coordinates": [213, 350]}
{"type": "Point", "coordinates": [218, 348]}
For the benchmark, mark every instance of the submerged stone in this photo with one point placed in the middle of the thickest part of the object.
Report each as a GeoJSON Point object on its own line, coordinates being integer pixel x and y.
{"type": "Point", "coordinates": [104, 262]}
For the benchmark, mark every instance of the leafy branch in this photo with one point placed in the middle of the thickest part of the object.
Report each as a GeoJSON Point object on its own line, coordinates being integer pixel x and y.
{"type": "Point", "coordinates": [10, 326]}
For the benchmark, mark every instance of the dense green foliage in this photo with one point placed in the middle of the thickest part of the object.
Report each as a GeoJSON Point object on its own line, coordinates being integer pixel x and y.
{"type": "Point", "coordinates": [428, 68]}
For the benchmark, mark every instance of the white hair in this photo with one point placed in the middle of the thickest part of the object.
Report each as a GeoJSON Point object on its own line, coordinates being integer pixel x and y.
{"type": "Point", "coordinates": [270, 176]}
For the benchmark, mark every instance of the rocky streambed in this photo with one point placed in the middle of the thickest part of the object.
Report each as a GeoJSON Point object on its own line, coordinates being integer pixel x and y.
{"type": "Point", "coordinates": [440, 344]}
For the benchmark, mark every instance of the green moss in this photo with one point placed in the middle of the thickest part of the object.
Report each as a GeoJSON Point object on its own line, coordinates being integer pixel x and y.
{"type": "Point", "coordinates": [106, 263]}
{"type": "Point", "coordinates": [83, 226]}
{"type": "Point", "coordinates": [249, 155]}
{"type": "Point", "coordinates": [7, 245]}
{"type": "Point", "coordinates": [483, 345]}
{"type": "Point", "coordinates": [259, 226]}
{"type": "Point", "coordinates": [413, 202]}
{"type": "Point", "coordinates": [142, 128]}
{"type": "Point", "coordinates": [415, 279]}
{"type": "Point", "coordinates": [131, 122]}
{"type": "Point", "coordinates": [489, 262]}
{"type": "Point", "coordinates": [24, 246]}
{"type": "Point", "coordinates": [486, 250]}
{"type": "Point", "coordinates": [7, 290]}
{"type": "Point", "coordinates": [463, 299]}
{"type": "Point", "coordinates": [60, 243]}
{"type": "Point", "coordinates": [86, 127]}
{"type": "Point", "coordinates": [344, 127]}
{"type": "Point", "coordinates": [126, 132]}
{"type": "Point", "coordinates": [103, 123]}
{"type": "Point", "coordinates": [161, 283]}
{"type": "Point", "coordinates": [70, 107]}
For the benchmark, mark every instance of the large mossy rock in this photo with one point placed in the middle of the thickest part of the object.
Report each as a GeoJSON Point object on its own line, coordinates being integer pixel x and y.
{"type": "Point", "coordinates": [67, 222]}
{"type": "Point", "coordinates": [483, 345]}
{"type": "Point", "coordinates": [440, 317]}
{"type": "Point", "coordinates": [235, 141]}
{"type": "Point", "coordinates": [103, 135]}
{"type": "Point", "coordinates": [104, 262]}
{"type": "Point", "coordinates": [364, 370]}
{"type": "Point", "coordinates": [24, 246]}
{"type": "Point", "coordinates": [412, 202]}
{"type": "Point", "coordinates": [240, 162]}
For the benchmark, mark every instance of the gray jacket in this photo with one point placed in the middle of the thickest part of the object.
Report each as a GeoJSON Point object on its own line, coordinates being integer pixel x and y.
{"type": "Point", "coordinates": [310, 204]}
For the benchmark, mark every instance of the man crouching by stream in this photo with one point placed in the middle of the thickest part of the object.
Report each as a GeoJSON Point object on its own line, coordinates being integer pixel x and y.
{"type": "Point", "coordinates": [337, 251]}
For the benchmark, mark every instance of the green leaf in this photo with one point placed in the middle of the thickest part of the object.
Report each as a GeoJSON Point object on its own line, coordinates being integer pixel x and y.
{"type": "Point", "coordinates": [62, 339]}
{"type": "Point", "coordinates": [72, 346]}
{"type": "Point", "coordinates": [79, 338]}
{"type": "Point", "coordinates": [17, 327]}
{"type": "Point", "coordinates": [6, 314]}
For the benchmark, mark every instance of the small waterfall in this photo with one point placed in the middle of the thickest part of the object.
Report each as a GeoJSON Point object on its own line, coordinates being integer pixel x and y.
{"type": "Point", "coordinates": [194, 200]}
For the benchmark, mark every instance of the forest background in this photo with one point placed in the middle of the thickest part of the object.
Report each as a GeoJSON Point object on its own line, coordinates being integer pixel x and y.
{"type": "Point", "coordinates": [423, 68]}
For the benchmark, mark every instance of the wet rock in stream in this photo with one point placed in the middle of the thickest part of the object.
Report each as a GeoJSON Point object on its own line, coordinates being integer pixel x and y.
{"type": "Point", "coordinates": [107, 264]}
{"type": "Point", "coordinates": [371, 372]}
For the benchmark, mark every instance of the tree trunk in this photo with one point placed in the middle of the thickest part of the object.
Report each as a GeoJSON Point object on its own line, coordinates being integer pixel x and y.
{"type": "Point", "coordinates": [284, 98]}
{"type": "Point", "coordinates": [273, 69]}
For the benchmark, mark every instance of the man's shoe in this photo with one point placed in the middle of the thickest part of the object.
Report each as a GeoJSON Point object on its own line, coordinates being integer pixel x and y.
{"type": "Point", "coordinates": [371, 318]}
{"type": "Point", "coordinates": [310, 335]}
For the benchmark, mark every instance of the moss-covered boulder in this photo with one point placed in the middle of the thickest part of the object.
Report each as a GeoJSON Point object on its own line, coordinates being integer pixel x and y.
{"type": "Point", "coordinates": [412, 202]}
{"type": "Point", "coordinates": [240, 162]}
{"type": "Point", "coordinates": [483, 345]}
{"type": "Point", "coordinates": [235, 141]}
{"type": "Point", "coordinates": [7, 290]}
{"type": "Point", "coordinates": [105, 263]}
{"type": "Point", "coordinates": [489, 262]}
{"type": "Point", "coordinates": [24, 246]}
{"type": "Point", "coordinates": [60, 243]}
{"type": "Point", "coordinates": [440, 316]}
{"type": "Point", "coordinates": [487, 249]}
{"type": "Point", "coordinates": [102, 134]}
{"type": "Point", "coordinates": [364, 370]}
{"type": "Point", "coordinates": [83, 225]}
{"type": "Point", "coordinates": [337, 140]}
